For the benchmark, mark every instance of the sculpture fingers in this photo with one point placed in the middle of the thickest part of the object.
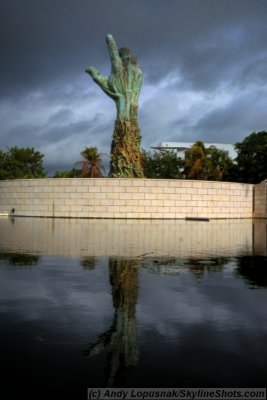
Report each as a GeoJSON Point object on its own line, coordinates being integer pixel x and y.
{"type": "Point", "coordinates": [113, 53]}
{"type": "Point", "coordinates": [101, 80]}
{"type": "Point", "coordinates": [92, 71]}
{"type": "Point", "coordinates": [97, 77]}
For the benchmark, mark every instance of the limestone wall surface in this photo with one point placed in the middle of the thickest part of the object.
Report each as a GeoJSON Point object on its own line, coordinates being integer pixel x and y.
{"type": "Point", "coordinates": [127, 198]}
{"type": "Point", "coordinates": [260, 200]}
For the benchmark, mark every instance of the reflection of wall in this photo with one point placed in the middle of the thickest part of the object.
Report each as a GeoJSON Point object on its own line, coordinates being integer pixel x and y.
{"type": "Point", "coordinates": [126, 198]}
{"type": "Point", "coordinates": [260, 237]}
{"type": "Point", "coordinates": [260, 200]}
{"type": "Point", "coordinates": [82, 237]}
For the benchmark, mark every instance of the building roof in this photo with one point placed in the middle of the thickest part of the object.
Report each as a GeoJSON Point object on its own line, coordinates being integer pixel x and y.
{"type": "Point", "coordinates": [182, 146]}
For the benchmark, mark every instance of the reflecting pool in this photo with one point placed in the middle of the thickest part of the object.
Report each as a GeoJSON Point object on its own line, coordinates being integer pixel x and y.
{"type": "Point", "coordinates": [126, 303]}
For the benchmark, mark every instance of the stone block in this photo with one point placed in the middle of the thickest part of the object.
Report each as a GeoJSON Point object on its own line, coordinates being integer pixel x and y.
{"type": "Point", "coordinates": [107, 202]}
{"type": "Point", "coordinates": [144, 215]}
{"type": "Point", "coordinates": [69, 189]}
{"type": "Point", "coordinates": [157, 215]}
{"type": "Point", "coordinates": [131, 202]}
{"type": "Point", "coordinates": [131, 189]}
{"type": "Point", "coordinates": [144, 202]}
{"type": "Point", "coordinates": [119, 189]}
{"type": "Point", "coordinates": [101, 182]}
{"type": "Point", "coordinates": [138, 196]}
{"type": "Point", "coordinates": [83, 189]}
{"type": "Point", "coordinates": [138, 209]}
{"type": "Point", "coordinates": [134, 215]}
{"type": "Point", "coordinates": [138, 182]}
{"type": "Point", "coordinates": [126, 208]}
{"type": "Point", "coordinates": [164, 183]}
{"type": "Point", "coordinates": [113, 195]}
{"type": "Point", "coordinates": [125, 182]}
{"type": "Point", "coordinates": [156, 189]}
{"type": "Point", "coordinates": [119, 202]}
{"type": "Point", "coordinates": [125, 196]}
{"type": "Point", "coordinates": [119, 214]}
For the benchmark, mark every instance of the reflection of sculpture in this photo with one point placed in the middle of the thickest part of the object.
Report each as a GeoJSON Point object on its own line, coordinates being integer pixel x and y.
{"type": "Point", "coordinates": [123, 86]}
{"type": "Point", "coordinates": [120, 340]}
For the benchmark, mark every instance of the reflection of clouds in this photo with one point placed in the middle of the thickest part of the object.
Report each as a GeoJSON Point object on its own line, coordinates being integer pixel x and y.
{"type": "Point", "coordinates": [59, 293]}
{"type": "Point", "coordinates": [169, 304]}
{"type": "Point", "coordinates": [59, 297]}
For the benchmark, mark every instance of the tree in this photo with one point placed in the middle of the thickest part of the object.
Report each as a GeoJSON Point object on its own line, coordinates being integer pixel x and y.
{"type": "Point", "coordinates": [92, 166]}
{"type": "Point", "coordinates": [21, 163]}
{"type": "Point", "coordinates": [206, 163]}
{"type": "Point", "coordinates": [252, 158]}
{"type": "Point", "coordinates": [162, 164]}
{"type": "Point", "coordinates": [69, 173]}
{"type": "Point", "coordinates": [195, 161]}
{"type": "Point", "coordinates": [218, 164]}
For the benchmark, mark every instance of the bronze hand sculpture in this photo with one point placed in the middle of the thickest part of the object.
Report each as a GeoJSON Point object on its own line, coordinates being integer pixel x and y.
{"type": "Point", "coordinates": [123, 86]}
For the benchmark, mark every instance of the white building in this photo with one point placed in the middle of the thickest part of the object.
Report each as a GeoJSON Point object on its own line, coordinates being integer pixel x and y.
{"type": "Point", "coordinates": [181, 147]}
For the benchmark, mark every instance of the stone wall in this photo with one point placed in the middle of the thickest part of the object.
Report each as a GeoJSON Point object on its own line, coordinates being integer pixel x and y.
{"type": "Point", "coordinates": [260, 200]}
{"type": "Point", "coordinates": [127, 198]}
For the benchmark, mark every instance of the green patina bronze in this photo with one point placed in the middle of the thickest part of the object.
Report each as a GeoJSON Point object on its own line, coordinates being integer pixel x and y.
{"type": "Point", "coordinates": [123, 86]}
{"type": "Point", "coordinates": [120, 340]}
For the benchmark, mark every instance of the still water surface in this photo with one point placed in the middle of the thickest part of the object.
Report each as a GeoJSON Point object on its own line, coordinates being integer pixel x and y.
{"type": "Point", "coordinates": [95, 303]}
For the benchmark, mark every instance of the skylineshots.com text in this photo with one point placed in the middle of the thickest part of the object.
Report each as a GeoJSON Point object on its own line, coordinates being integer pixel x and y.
{"type": "Point", "coordinates": [177, 393]}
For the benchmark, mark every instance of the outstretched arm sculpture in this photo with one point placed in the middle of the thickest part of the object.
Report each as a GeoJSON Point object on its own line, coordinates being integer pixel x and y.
{"type": "Point", "coordinates": [123, 86]}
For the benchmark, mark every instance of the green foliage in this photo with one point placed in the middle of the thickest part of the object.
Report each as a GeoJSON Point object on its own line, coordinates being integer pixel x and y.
{"type": "Point", "coordinates": [195, 161]}
{"type": "Point", "coordinates": [69, 173]}
{"type": "Point", "coordinates": [162, 164]}
{"type": "Point", "coordinates": [21, 163]}
{"type": "Point", "coordinates": [218, 164]}
{"type": "Point", "coordinates": [199, 163]}
{"type": "Point", "coordinates": [206, 163]}
{"type": "Point", "coordinates": [252, 158]}
{"type": "Point", "coordinates": [92, 166]}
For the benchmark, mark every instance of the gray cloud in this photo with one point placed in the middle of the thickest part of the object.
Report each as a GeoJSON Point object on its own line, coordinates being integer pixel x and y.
{"type": "Point", "coordinates": [223, 123]}
{"type": "Point", "coordinates": [196, 56]}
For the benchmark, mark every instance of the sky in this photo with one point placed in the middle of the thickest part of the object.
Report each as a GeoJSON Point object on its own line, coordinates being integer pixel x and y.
{"type": "Point", "coordinates": [204, 64]}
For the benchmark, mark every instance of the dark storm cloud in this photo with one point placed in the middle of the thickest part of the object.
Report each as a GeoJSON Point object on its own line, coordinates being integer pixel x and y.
{"type": "Point", "coordinates": [47, 41]}
{"type": "Point", "coordinates": [189, 51]}
{"type": "Point", "coordinates": [223, 124]}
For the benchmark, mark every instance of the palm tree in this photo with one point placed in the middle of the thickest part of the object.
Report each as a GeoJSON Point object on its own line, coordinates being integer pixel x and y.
{"type": "Point", "coordinates": [92, 166]}
{"type": "Point", "coordinates": [206, 163]}
{"type": "Point", "coordinates": [195, 161]}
